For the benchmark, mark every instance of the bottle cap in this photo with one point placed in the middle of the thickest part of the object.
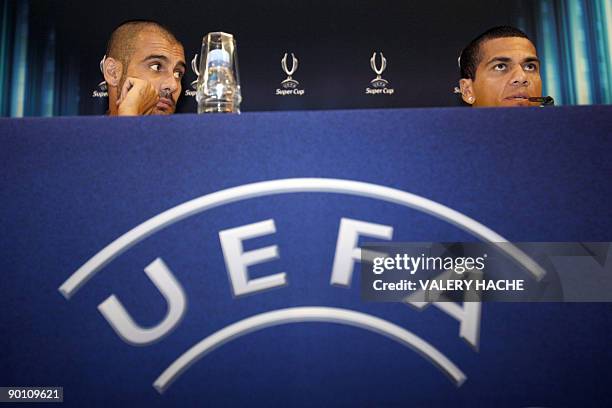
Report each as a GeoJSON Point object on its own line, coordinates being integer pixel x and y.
{"type": "Point", "coordinates": [218, 56]}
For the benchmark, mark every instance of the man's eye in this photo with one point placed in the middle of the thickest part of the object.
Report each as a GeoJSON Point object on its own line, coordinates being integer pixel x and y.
{"type": "Point", "coordinates": [500, 67]}
{"type": "Point", "coordinates": [155, 67]}
{"type": "Point", "coordinates": [178, 74]}
{"type": "Point", "coordinates": [531, 67]}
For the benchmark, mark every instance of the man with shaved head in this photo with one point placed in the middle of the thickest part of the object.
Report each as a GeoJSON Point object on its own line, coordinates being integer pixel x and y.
{"type": "Point", "coordinates": [143, 68]}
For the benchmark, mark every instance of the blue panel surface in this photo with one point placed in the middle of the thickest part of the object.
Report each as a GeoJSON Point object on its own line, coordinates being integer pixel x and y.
{"type": "Point", "coordinates": [70, 186]}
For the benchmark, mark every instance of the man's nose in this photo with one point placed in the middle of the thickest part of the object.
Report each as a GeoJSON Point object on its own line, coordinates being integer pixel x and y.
{"type": "Point", "coordinates": [170, 83]}
{"type": "Point", "coordinates": [519, 77]}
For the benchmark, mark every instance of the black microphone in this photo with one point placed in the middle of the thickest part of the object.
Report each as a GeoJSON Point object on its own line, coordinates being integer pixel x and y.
{"type": "Point", "coordinates": [544, 100]}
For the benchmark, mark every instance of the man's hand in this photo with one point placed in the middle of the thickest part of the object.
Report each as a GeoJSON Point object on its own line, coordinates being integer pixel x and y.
{"type": "Point", "coordinates": [137, 97]}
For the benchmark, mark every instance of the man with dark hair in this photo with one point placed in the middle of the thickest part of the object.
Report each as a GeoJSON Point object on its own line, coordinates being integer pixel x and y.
{"type": "Point", "coordinates": [500, 68]}
{"type": "Point", "coordinates": [143, 69]}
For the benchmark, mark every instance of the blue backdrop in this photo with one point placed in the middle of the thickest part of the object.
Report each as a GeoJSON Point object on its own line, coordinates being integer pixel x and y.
{"type": "Point", "coordinates": [70, 186]}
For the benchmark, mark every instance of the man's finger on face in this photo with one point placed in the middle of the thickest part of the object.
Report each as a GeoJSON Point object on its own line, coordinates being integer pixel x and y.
{"type": "Point", "coordinates": [143, 88]}
{"type": "Point", "coordinates": [128, 84]}
{"type": "Point", "coordinates": [150, 96]}
{"type": "Point", "coordinates": [138, 96]}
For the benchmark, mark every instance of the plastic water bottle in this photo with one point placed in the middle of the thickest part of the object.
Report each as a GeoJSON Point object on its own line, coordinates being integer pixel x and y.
{"type": "Point", "coordinates": [218, 88]}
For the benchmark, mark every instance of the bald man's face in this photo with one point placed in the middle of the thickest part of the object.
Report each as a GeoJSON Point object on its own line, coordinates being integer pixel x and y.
{"type": "Point", "coordinates": [161, 62]}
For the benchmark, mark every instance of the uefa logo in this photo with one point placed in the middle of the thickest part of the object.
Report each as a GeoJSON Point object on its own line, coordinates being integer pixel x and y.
{"type": "Point", "coordinates": [238, 261]}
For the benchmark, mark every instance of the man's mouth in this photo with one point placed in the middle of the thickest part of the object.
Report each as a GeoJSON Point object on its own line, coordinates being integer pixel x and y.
{"type": "Point", "coordinates": [518, 97]}
{"type": "Point", "coordinates": [165, 104]}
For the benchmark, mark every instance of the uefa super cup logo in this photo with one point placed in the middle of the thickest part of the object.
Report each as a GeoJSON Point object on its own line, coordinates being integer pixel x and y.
{"type": "Point", "coordinates": [289, 85]}
{"type": "Point", "coordinates": [379, 85]}
{"type": "Point", "coordinates": [378, 82]}
{"type": "Point", "coordinates": [289, 82]}
{"type": "Point", "coordinates": [194, 84]}
{"type": "Point", "coordinates": [101, 90]}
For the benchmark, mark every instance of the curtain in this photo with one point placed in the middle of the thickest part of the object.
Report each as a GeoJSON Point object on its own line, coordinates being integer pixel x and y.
{"type": "Point", "coordinates": [574, 42]}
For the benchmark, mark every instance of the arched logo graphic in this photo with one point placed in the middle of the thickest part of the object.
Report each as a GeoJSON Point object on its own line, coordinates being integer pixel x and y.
{"type": "Point", "coordinates": [238, 261]}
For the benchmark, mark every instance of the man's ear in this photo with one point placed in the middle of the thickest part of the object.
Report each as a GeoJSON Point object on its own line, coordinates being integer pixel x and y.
{"type": "Point", "coordinates": [467, 91]}
{"type": "Point", "coordinates": [112, 71]}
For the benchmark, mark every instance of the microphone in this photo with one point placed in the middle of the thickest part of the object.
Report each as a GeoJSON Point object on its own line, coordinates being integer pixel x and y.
{"type": "Point", "coordinates": [544, 100]}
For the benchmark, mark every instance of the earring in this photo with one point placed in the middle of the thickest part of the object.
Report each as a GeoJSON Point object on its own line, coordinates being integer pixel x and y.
{"type": "Point", "coordinates": [471, 99]}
